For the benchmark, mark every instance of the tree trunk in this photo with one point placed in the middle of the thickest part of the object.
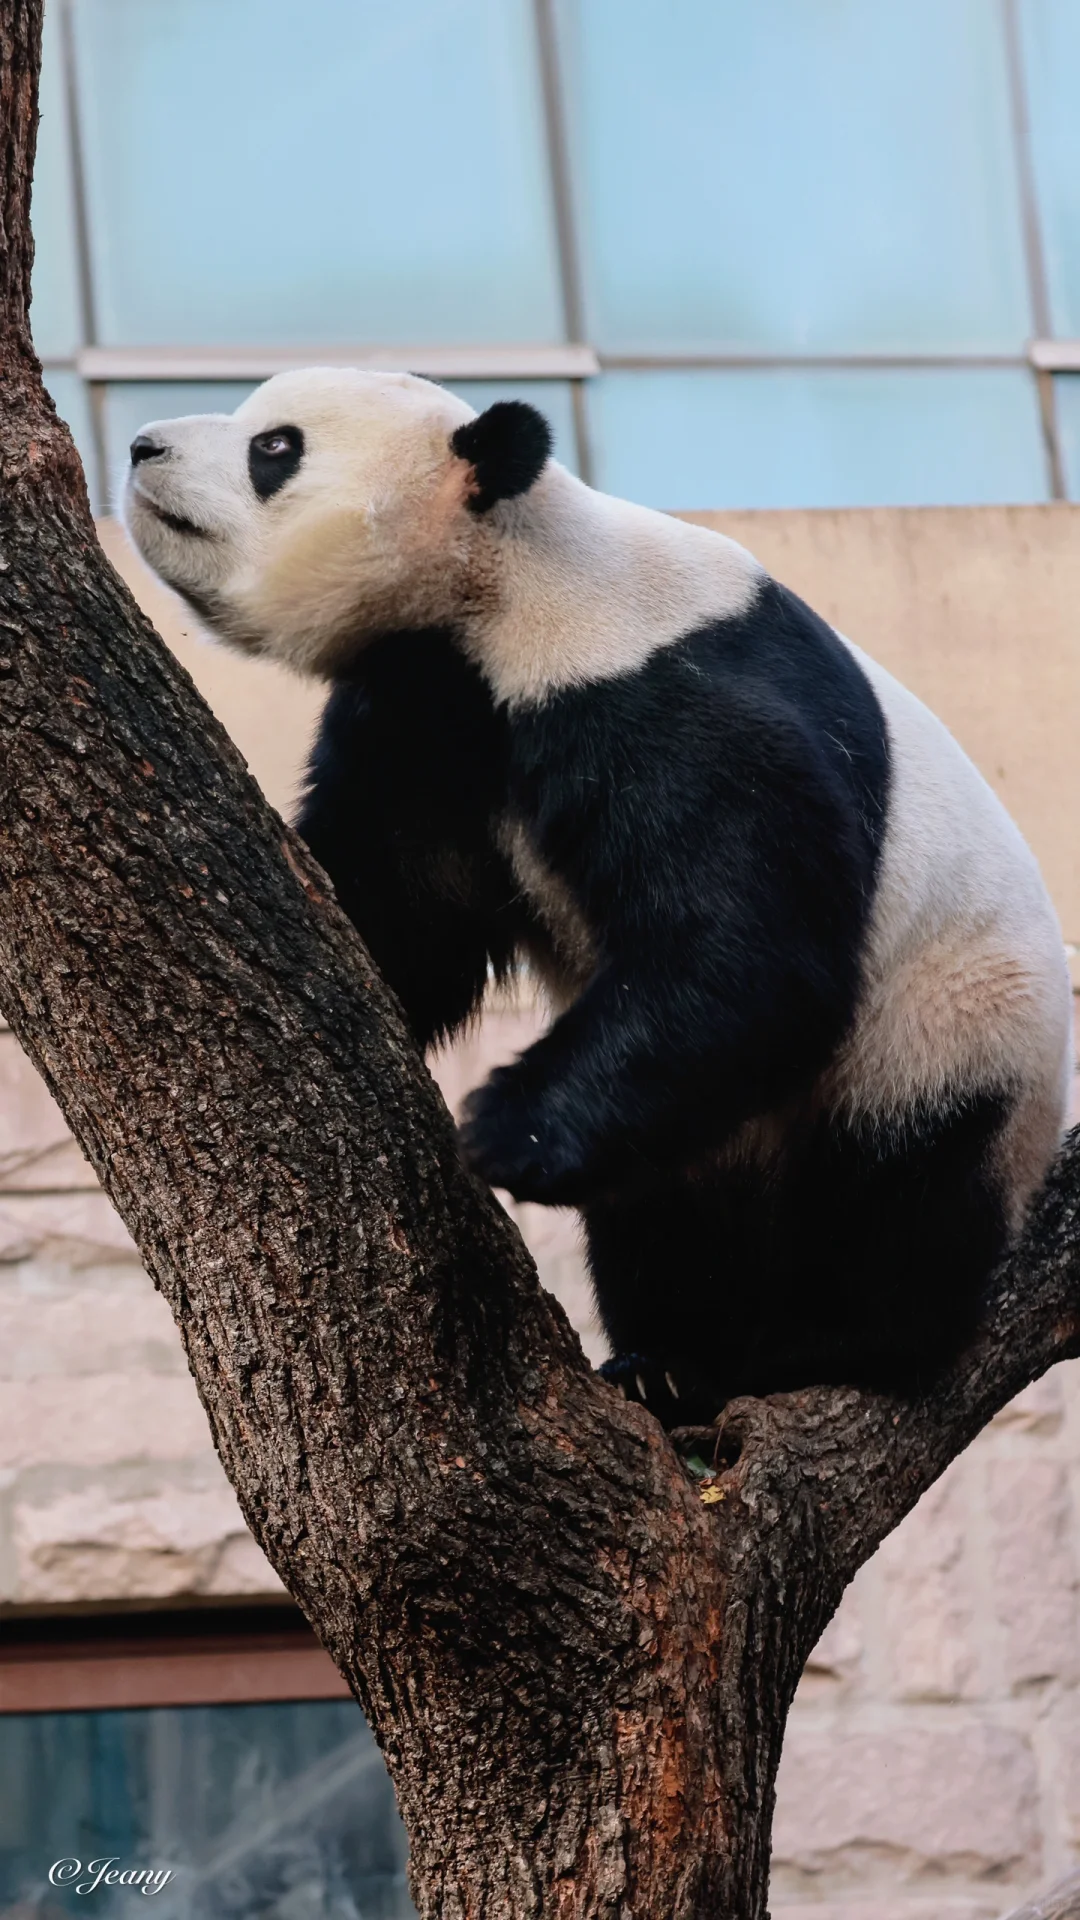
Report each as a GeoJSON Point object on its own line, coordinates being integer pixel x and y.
{"type": "Point", "coordinates": [577, 1667]}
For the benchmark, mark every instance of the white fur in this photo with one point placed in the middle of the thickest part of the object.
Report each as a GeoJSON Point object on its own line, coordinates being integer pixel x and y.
{"type": "Point", "coordinates": [966, 984]}
{"type": "Point", "coordinates": [590, 586]}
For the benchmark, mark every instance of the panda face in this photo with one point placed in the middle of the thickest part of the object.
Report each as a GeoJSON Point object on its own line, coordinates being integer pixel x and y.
{"type": "Point", "coordinates": [330, 505]}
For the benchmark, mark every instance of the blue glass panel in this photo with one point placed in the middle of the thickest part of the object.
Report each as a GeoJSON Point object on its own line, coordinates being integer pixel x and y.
{"type": "Point", "coordinates": [553, 398]}
{"type": "Point", "coordinates": [130, 404]}
{"type": "Point", "coordinates": [342, 170]}
{"type": "Point", "coordinates": [275, 1810]}
{"type": "Point", "coordinates": [776, 175]}
{"type": "Point", "coordinates": [55, 312]}
{"type": "Point", "coordinates": [73, 405]}
{"type": "Point", "coordinates": [1067, 391]}
{"type": "Point", "coordinates": [779, 437]}
{"type": "Point", "coordinates": [1051, 41]}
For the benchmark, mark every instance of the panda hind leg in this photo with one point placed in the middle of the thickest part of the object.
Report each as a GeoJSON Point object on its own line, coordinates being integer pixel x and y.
{"type": "Point", "coordinates": [867, 1267]}
{"type": "Point", "coordinates": [892, 1246]}
{"type": "Point", "coordinates": [666, 1273]}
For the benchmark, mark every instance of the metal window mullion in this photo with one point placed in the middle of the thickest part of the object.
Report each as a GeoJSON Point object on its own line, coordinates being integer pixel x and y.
{"type": "Point", "coordinates": [253, 362]}
{"type": "Point", "coordinates": [573, 364]}
{"type": "Point", "coordinates": [562, 201]}
{"type": "Point", "coordinates": [1034, 251]}
{"type": "Point", "coordinates": [84, 267]}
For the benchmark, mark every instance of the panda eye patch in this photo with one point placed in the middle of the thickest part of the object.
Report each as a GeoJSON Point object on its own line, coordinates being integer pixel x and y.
{"type": "Point", "coordinates": [273, 458]}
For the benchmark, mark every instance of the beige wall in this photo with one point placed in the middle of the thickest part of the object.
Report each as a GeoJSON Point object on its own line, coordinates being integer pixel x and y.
{"type": "Point", "coordinates": [932, 1770]}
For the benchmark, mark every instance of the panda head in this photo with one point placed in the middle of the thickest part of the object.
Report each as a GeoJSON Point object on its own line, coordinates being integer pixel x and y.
{"type": "Point", "coordinates": [332, 506]}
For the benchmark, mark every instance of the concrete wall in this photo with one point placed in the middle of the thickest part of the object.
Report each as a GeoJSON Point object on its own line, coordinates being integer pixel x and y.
{"type": "Point", "coordinates": [932, 1769]}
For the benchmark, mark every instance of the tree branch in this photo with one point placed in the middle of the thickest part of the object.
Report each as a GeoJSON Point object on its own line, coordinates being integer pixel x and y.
{"type": "Point", "coordinates": [579, 1672]}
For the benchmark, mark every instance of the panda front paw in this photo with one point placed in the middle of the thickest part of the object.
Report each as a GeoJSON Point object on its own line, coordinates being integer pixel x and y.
{"type": "Point", "coordinates": [646, 1381]}
{"type": "Point", "coordinates": [508, 1140]}
{"type": "Point", "coordinates": [679, 1396]}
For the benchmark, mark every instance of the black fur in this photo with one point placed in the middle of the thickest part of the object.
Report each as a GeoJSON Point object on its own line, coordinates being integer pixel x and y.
{"type": "Point", "coordinates": [143, 448]}
{"type": "Point", "coordinates": [404, 786]}
{"type": "Point", "coordinates": [507, 448]}
{"type": "Point", "coordinates": [270, 465]}
{"type": "Point", "coordinates": [717, 817]}
{"type": "Point", "coordinates": [855, 1258]}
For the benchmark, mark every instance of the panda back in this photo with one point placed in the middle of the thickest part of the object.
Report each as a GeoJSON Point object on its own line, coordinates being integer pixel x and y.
{"type": "Point", "coordinates": [965, 981]}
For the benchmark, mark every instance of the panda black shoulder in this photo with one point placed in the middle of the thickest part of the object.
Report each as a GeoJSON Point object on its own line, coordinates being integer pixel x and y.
{"type": "Point", "coordinates": [786, 650]}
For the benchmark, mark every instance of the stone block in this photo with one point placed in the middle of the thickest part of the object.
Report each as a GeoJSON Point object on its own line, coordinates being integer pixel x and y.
{"type": "Point", "coordinates": [1063, 1762]}
{"type": "Point", "coordinates": [106, 1320]}
{"type": "Point", "coordinates": [1034, 1569]}
{"type": "Point", "coordinates": [101, 1419]}
{"type": "Point", "coordinates": [36, 1149]}
{"type": "Point", "coordinates": [241, 1567]}
{"type": "Point", "coordinates": [88, 1546]}
{"type": "Point", "coordinates": [935, 1909]}
{"type": "Point", "coordinates": [73, 1229]}
{"type": "Point", "coordinates": [948, 1799]}
{"type": "Point", "coordinates": [927, 1610]}
{"type": "Point", "coordinates": [1040, 1408]}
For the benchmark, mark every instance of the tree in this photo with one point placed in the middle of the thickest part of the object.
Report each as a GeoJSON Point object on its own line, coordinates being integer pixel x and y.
{"type": "Point", "coordinates": [577, 1667]}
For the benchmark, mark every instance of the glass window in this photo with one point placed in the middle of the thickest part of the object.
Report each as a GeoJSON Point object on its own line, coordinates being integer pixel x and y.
{"type": "Point", "coordinates": [766, 178]}
{"type": "Point", "coordinates": [775, 175]}
{"type": "Point", "coordinates": [345, 170]}
{"type": "Point", "coordinates": [1051, 40]}
{"type": "Point", "coordinates": [283, 1811]}
{"type": "Point", "coordinates": [784, 437]}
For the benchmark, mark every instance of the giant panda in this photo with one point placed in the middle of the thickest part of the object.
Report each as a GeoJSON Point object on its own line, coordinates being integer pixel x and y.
{"type": "Point", "coordinates": [810, 1035]}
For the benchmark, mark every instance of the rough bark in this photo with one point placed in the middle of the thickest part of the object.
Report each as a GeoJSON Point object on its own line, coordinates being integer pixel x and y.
{"type": "Point", "coordinates": [579, 1672]}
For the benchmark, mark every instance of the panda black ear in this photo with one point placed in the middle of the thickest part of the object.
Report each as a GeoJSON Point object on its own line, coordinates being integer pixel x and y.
{"type": "Point", "coordinates": [506, 447]}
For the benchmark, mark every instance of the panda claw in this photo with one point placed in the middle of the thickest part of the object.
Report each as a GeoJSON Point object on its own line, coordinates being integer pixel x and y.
{"type": "Point", "coordinates": [621, 1388]}
{"type": "Point", "coordinates": [640, 1385]}
{"type": "Point", "coordinates": [672, 1388]}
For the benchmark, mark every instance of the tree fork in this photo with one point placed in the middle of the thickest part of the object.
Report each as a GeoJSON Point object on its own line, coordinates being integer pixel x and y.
{"type": "Point", "coordinates": [579, 1673]}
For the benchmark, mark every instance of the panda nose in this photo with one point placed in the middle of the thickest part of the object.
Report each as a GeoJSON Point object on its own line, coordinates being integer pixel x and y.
{"type": "Point", "coordinates": [143, 448]}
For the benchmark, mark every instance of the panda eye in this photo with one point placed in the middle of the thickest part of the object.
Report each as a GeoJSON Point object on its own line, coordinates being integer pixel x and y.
{"type": "Point", "coordinates": [273, 458]}
{"type": "Point", "coordinates": [274, 443]}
